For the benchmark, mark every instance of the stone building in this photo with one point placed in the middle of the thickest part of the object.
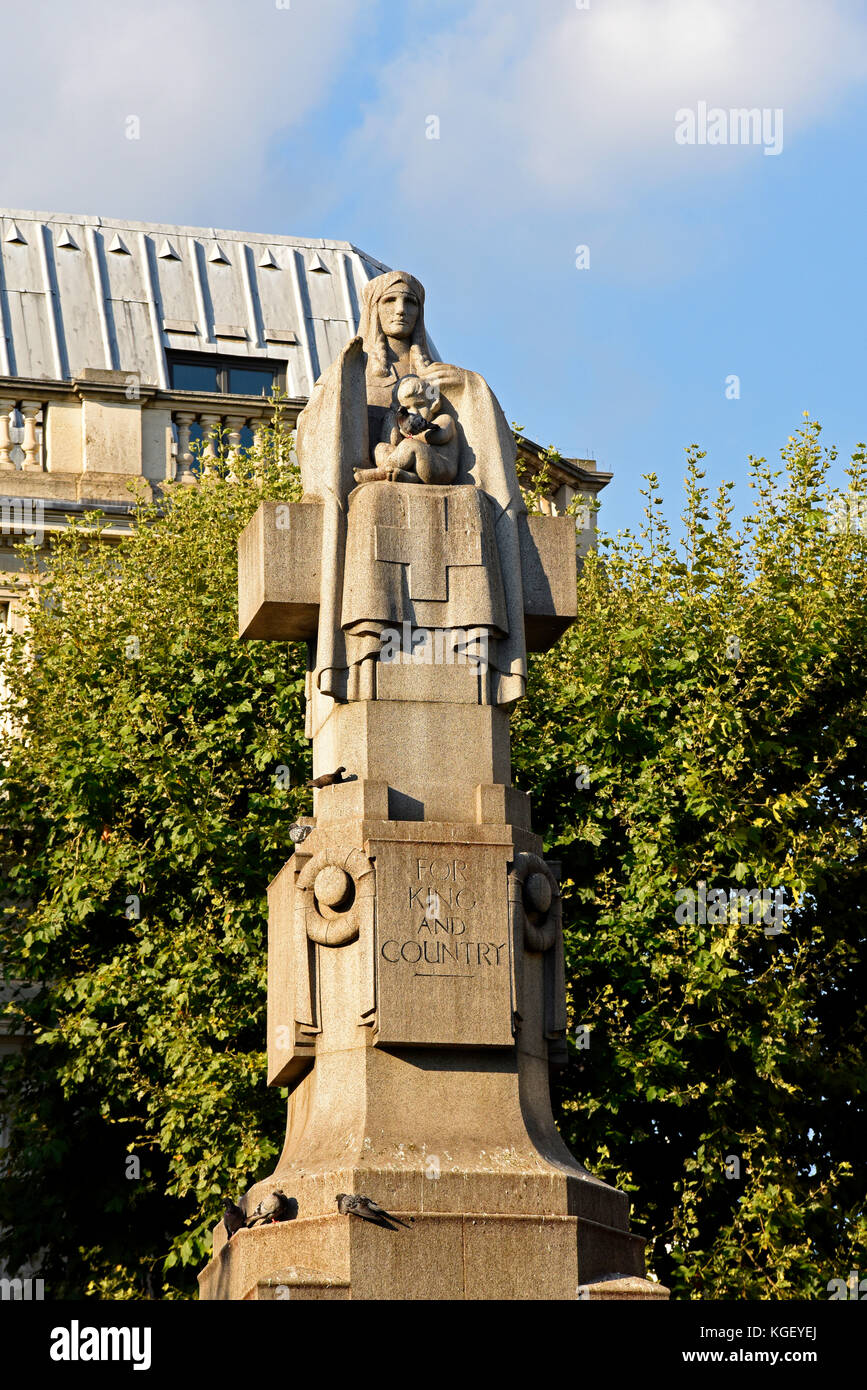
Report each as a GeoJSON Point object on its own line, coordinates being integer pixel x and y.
{"type": "Point", "coordinates": [120, 342]}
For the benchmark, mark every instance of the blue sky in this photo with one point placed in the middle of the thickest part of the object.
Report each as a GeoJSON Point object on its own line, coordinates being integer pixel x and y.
{"type": "Point", "coordinates": [556, 129]}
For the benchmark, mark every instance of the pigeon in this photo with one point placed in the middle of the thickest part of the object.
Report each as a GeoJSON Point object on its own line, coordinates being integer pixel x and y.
{"type": "Point", "coordinates": [275, 1207]}
{"type": "Point", "coordinates": [233, 1218]}
{"type": "Point", "coordinates": [329, 779]}
{"type": "Point", "coordinates": [348, 1204]}
{"type": "Point", "coordinates": [410, 422]}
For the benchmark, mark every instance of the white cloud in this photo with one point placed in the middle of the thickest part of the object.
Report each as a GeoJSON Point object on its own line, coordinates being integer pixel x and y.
{"type": "Point", "coordinates": [211, 81]}
{"type": "Point", "coordinates": [543, 108]}
{"type": "Point", "coordinates": [554, 103]}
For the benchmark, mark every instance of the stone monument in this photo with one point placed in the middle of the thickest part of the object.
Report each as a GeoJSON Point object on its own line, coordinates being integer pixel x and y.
{"type": "Point", "coordinates": [416, 994]}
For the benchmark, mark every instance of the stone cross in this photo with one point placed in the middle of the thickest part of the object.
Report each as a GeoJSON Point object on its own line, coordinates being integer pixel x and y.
{"type": "Point", "coordinates": [427, 546]}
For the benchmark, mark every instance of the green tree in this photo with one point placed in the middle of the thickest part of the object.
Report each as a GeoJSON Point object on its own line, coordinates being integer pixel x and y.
{"type": "Point", "coordinates": [151, 774]}
{"type": "Point", "coordinates": [701, 722]}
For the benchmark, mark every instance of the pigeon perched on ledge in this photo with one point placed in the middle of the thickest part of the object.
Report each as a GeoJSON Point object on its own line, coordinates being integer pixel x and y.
{"type": "Point", "coordinates": [275, 1207]}
{"type": "Point", "coordinates": [330, 779]}
{"type": "Point", "coordinates": [349, 1204]}
{"type": "Point", "coordinates": [233, 1218]}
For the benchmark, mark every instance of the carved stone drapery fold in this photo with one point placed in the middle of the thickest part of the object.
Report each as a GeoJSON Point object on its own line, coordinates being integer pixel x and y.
{"type": "Point", "coordinates": [333, 441]}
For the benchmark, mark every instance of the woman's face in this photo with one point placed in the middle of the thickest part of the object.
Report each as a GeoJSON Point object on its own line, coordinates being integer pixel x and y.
{"type": "Point", "coordinates": [398, 312]}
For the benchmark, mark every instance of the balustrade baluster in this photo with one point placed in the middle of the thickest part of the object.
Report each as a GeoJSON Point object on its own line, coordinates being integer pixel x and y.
{"type": "Point", "coordinates": [30, 443]}
{"type": "Point", "coordinates": [211, 425]}
{"type": "Point", "coordinates": [6, 408]}
{"type": "Point", "coordinates": [184, 471]}
{"type": "Point", "coordinates": [234, 426]}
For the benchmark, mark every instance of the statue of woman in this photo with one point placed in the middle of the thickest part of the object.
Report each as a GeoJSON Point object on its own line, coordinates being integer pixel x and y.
{"type": "Point", "coordinates": [351, 412]}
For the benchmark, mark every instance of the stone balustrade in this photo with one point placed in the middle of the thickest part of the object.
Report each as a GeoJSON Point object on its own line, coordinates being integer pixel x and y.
{"type": "Point", "coordinates": [88, 437]}
{"type": "Point", "coordinates": [222, 439]}
{"type": "Point", "coordinates": [22, 434]}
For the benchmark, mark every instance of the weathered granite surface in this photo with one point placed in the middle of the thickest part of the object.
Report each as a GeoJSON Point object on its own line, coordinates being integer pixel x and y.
{"type": "Point", "coordinates": [416, 996]}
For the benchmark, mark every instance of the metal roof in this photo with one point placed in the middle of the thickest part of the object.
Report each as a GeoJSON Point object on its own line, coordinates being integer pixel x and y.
{"type": "Point", "coordinates": [79, 292]}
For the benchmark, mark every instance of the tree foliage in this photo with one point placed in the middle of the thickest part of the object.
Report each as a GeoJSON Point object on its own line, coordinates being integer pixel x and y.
{"type": "Point", "coordinates": [145, 774]}
{"type": "Point", "coordinates": [144, 764]}
{"type": "Point", "coordinates": [712, 698]}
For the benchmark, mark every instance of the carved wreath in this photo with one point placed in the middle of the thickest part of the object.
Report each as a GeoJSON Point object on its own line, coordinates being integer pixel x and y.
{"type": "Point", "coordinates": [334, 889]}
{"type": "Point", "coordinates": [534, 897]}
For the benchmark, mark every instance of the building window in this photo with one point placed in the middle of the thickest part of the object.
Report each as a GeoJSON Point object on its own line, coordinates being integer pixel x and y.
{"type": "Point", "coordinates": [224, 376]}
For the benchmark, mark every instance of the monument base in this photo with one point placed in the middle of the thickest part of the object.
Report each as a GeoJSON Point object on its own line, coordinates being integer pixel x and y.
{"type": "Point", "coordinates": [428, 1088]}
{"type": "Point", "coordinates": [443, 1255]}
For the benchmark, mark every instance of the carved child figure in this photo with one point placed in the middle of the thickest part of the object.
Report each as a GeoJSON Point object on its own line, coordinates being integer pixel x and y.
{"type": "Point", "coordinates": [421, 439]}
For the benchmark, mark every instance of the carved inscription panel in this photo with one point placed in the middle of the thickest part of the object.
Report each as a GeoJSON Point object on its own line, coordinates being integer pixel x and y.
{"type": "Point", "coordinates": [443, 951]}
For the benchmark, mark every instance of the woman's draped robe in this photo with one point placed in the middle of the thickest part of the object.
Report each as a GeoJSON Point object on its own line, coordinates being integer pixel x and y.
{"type": "Point", "coordinates": [334, 439]}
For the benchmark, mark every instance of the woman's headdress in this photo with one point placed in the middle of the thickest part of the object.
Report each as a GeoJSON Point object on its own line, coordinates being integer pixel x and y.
{"type": "Point", "coordinates": [370, 328]}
